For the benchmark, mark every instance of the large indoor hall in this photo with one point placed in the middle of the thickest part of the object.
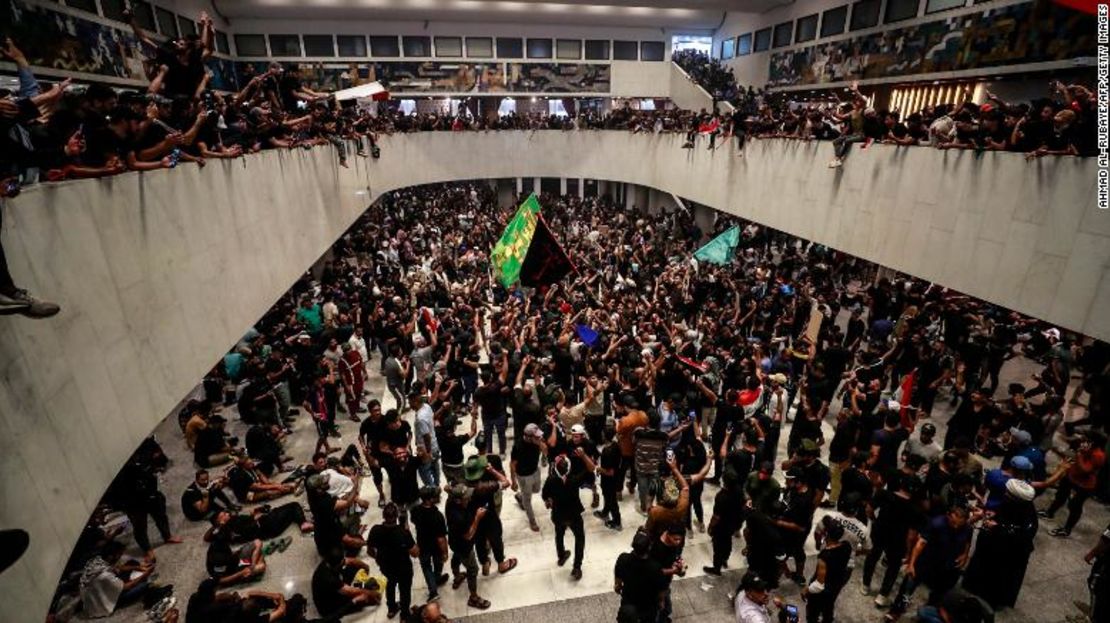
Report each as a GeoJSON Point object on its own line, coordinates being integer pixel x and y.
{"type": "Point", "coordinates": [652, 311]}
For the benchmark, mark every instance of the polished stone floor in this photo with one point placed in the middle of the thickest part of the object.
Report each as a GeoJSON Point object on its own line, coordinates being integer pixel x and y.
{"type": "Point", "coordinates": [538, 589]}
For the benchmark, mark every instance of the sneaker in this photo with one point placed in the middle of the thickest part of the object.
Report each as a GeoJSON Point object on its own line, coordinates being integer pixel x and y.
{"type": "Point", "coordinates": [158, 611]}
{"type": "Point", "coordinates": [563, 558]}
{"type": "Point", "coordinates": [612, 525]}
{"type": "Point", "coordinates": [600, 514]}
{"type": "Point", "coordinates": [711, 570]}
{"type": "Point", "coordinates": [576, 573]}
{"type": "Point", "coordinates": [442, 579]}
{"type": "Point", "coordinates": [1044, 514]}
{"type": "Point", "coordinates": [836, 163]}
{"type": "Point", "coordinates": [1061, 533]}
{"type": "Point", "coordinates": [433, 597]}
{"type": "Point", "coordinates": [701, 525]}
{"type": "Point", "coordinates": [21, 302]}
{"type": "Point", "coordinates": [865, 590]}
{"type": "Point", "coordinates": [882, 601]}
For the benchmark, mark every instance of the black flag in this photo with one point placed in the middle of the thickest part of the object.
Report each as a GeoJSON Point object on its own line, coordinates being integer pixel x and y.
{"type": "Point", "coordinates": [546, 262]}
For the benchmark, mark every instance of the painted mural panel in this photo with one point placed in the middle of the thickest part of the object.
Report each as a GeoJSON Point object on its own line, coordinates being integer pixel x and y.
{"type": "Point", "coordinates": [1022, 33]}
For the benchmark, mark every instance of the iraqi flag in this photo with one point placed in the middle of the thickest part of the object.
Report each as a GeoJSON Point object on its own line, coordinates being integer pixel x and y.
{"type": "Point", "coordinates": [710, 127]}
{"type": "Point", "coordinates": [545, 262]}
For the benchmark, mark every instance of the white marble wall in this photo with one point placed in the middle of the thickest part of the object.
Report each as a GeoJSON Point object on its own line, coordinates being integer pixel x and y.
{"type": "Point", "coordinates": [159, 273]}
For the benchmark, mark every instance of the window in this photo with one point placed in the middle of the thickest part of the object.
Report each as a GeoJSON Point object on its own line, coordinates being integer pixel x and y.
{"type": "Point", "coordinates": [167, 22]}
{"type": "Point", "coordinates": [652, 50]}
{"type": "Point", "coordinates": [113, 9]}
{"type": "Point", "coordinates": [186, 26]}
{"type": "Point", "coordinates": [626, 50]}
{"type": "Point", "coordinates": [417, 46]}
{"type": "Point", "coordinates": [449, 47]}
{"type": "Point", "coordinates": [84, 5]}
{"type": "Point", "coordinates": [782, 34]}
{"type": "Point", "coordinates": [805, 29]}
{"type": "Point", "coordinates": [898, 10]}
{"type": "Point", "coordinates": [144, 14]}
{"type": "Point", "coordinates": [597, 50]}
{"type": "Point", "coordinates": [762, 40]}
{"type": "Point", "coordinates": [539, 48]}
{"type": "Point", "coordinates": [285, 45]}
{"type": "Point", "coordinates": [319, 45]}
{"type": "Point", "coordinates": [351, 46]}
{"type": "Point", "coordinates": [223, 46]}
{"type": "Point", "coordinates": [865, 14]}
{"type": "Point", "coordinates": [833, 21]}
{"type": "Point", "coordinates": [250, 45]}
{"type": "Point", "coordinates": [728, 48]}
{"type": "Point", "coordinates": [384, 46]}
{"type": "Point", "coordinates": [510, 48]}
{"type": "Point", "coordinates": [479, 47]}
{"type": "Point", "coordinates": [932, 6]}
{"type": "Point", "coordinates": [744, 45]}
{"type": "Point", "coordinates": [568, 49]}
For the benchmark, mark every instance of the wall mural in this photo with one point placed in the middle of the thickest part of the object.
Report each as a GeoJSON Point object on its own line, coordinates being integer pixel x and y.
{"type": "Point", "coordinates": [55, 40]}
{"type": "Point", "coordinates": [1021, 33]}
{"type": "Point", "coordinates": [414, 77]}
{"type": "Point", "coordinates": [558, 78]}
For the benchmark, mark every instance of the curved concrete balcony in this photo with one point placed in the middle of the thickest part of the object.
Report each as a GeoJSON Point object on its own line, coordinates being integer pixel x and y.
{"type": "Point", "coordinates": [159, 273]}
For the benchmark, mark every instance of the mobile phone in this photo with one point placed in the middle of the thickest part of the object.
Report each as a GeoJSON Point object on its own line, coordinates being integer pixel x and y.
{"type": "Point", "coordinates": [670, 454]}
{"type": "Point", "coordinates": [791, 613]}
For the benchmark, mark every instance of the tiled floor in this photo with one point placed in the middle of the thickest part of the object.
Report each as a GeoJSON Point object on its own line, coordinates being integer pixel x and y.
{"type": "Point", "coordinates": [538, 589]}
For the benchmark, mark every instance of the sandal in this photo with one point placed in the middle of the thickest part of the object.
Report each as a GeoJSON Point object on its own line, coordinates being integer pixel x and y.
{"type": "Point", "coordinates": [507, 566]}
{"type": "Point", "coordinates": [477, 602]}
{"type": "Point", "coordinates": [458, 581]}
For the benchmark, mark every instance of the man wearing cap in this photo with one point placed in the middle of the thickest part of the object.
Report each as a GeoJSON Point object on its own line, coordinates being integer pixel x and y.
{"type": "Point", "coordinates": [796, 520]}
{"type": "Point", "coordinates": [924, 445]}
{"type": "Point", "coordinates": [462, 530]}
{"type": "Point", "coordinates": [524, 470]}
{"type": "Point", "coordinates": [485, 483]}
{"type": "Point", "coordinates": [752, 599]}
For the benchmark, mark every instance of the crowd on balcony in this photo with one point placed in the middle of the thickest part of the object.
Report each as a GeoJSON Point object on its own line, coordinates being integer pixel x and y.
{"type": "Point", "coordinates": [776, 393]}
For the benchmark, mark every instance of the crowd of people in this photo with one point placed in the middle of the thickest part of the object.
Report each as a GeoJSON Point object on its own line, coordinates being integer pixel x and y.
{"type": "Point", "coordinates": [764, 402]}
{"type": "Point", "coordinates": [1063, 124]}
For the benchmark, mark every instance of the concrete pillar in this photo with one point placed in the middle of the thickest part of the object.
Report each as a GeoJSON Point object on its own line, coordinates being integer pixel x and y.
{"type": "Point", "coordinates": [581, 188]}
{"type": "Point", "coordinates": [536, 186]}
{"type": "Point", "coordinates": [519, 185]}
{"type": "Point", "coordinates": [562, 185]}
{"type": "Point", "coordinates": [704, 217]}
{"type": "Point", "coordinates": [505, 191]}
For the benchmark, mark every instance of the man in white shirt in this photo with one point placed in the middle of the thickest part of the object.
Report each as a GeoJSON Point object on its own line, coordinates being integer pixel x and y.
{"type": "Point", "coordinates": [924, 445]}
{"type": "Point", "coordinates": [856, 533]}
{"type": "Point", "coordinates": [752, 598]}
{"type": "Point", "coordinates": [358, 343]}
{"type": "Point", "coordinates": [425, 437]}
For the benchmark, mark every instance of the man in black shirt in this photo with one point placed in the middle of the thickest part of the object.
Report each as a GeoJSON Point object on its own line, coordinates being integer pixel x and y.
{"type": "Point", "coordinates": [727, 519]}
{"type": "Point", "coordinates": [204, 498]}
{"type": "Point", "coordinates": [560, 494]}
{"type": "Point", "coordinates": [370, 434]}
{"type": "Point", "coordinates": [610, 463]}
{"type": "Point", "coordinates": [832, 573]}
{"type": "Point", "coordinates": [462, 528]}
{"type": "Point", "coordinates": [639, 581]}
{"type": "Point", "coordinates": [393, 547]}
{"type": "Point", "coordinates": [796, 519]}
{"type": "Point", "coordinates": [431, 538]}
{"type": "Point", "coordinates": [331, 586]}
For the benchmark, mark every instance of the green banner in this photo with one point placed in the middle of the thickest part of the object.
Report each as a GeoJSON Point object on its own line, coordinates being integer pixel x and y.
{"type": "Point", "coordinates": [508, 254]}
{"type": "Point", "coordinates": [720, 249]}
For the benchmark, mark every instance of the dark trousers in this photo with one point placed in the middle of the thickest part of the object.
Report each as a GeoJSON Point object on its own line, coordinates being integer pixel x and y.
{"type": "Point", "coordinates": [819, 607]}
{"type": "Point", "coordinates": [490, 540]}
{"type": "Point", "coordinates": [431, 565]}
{"type": "Point", "coordinates": [610, 508]}
{"type": "Point", "coordinates": [894, 554]}
{"type": "Point", "coordinates": [578, 529]}
{"type": "Point", "coordinates": [399, 580]}
{"type": "Point", "coordinates": [7, 286]}
{"type": "Point", "coordinates": [273, 523]}
{"type": "Point", "coordinates": [722, 548]}
{"type": "Point", "coordinates": [1075, 503]}
{"type": "Point", "coordinates": [491, 425]}
{"type": "Point", "coordinates": [154, 509]}
{"type": "Point", "coordinates": [695, 509]}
